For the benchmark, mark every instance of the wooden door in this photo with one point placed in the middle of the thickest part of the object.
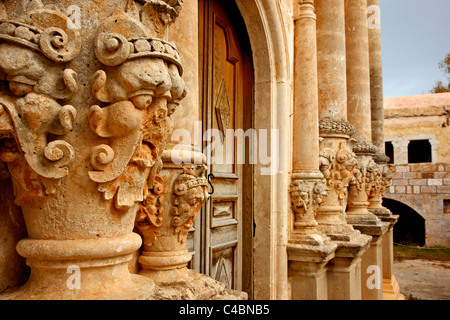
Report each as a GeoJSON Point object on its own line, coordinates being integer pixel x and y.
{"type": "Point", "coordinates": [226, 95]}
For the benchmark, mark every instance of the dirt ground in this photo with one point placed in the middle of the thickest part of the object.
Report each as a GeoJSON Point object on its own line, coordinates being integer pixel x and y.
{"type": "Point", "coordinates": [423, 279]}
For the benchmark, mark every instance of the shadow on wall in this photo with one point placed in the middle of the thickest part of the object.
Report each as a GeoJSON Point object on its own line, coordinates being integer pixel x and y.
{"type": "Point", "coordinates": [410, 228]}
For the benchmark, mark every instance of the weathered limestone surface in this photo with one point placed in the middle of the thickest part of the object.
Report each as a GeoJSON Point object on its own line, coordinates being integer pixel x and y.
{"type": "Point", "coordinates": [86, 115]}
{"type": "Point", "coordinates": [95, 196]}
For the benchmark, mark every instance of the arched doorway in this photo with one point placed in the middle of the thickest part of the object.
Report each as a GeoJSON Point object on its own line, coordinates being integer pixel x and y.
{"type": "Point", "coordinates": [410, 228]}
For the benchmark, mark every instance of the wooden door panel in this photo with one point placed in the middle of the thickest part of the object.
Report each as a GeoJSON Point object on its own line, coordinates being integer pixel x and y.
{"type": "Point", "coordinates": [223, 101]}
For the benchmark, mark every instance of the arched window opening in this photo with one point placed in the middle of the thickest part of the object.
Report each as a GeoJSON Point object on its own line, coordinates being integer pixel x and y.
{"type": "Point", "coordinates": [389, 150]}
{"type": "Point", "coordinates": [419, 151]}
{"type": "Point", "coordinates": [410, 227]}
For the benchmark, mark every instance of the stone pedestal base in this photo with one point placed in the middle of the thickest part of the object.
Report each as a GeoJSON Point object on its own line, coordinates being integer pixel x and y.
{"type": "Point", "coordinates": [89, 269]}
{"type": "Point", "coordinates": [186, 284]}
{"type": "Point", "coordinates": [307, 270]}
{"type": "Point", "coordinates": [372, 261]}
{"type": "Point", "coordinates": [344, 270]}
{"type": "Point", "coordinates": [391, 290]}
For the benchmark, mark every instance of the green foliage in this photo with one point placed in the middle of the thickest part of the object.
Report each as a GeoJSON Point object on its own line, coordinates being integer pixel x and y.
{"type": "Point", "coordinates": [405, 252]}
{"type": "Point", "coordinates": [444, 65]}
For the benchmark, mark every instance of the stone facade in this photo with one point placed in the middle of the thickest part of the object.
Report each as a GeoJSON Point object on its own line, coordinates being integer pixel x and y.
{"type": "Point", "coordinates": [424, 187]}
{"type": "Point", "coordinates": [103, 201]}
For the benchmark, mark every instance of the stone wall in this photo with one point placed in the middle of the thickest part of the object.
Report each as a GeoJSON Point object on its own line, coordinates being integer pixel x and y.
{"type": "Point", "coordinates": [424, 187]}
{"type": "Point", "coordinates": [421, 186]}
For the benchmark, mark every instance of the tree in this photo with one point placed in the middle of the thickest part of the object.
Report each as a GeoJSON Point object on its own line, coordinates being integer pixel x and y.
{"type": "Point", "coordinates": [444, 65]}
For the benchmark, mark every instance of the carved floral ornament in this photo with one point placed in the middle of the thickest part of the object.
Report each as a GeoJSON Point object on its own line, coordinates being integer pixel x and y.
{"type": "Point", "coordinates": [337, 168]}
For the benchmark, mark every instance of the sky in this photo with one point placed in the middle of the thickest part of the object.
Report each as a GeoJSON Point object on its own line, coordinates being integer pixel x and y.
{"type": "Point", "coordinates": [415, 37]}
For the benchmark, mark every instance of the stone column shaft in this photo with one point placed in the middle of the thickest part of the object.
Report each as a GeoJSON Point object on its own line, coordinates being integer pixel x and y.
{"type": "Point", "coordinates": [331, 58]}
{"type": "Point", "coordinates": [358, 73]}
{"type": "Point", "coordinates": [376, 74]}
{"type": "Point", "coordinates": [306, 117]}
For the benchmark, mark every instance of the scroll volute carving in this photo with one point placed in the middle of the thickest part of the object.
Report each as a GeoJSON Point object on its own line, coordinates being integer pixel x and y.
{"type": "Point", "coordinates": [139, 87]}
{"type": "Point", "coordinates": [35, 81]}
{"type": "Point", "coordinates": [150, 214]}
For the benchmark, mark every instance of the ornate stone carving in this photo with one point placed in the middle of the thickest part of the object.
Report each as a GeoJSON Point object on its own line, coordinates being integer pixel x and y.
{"type": "Point", "coordinates": [362, 183]}
{"type": "Point", "coordinates": [149, 217]}
{"type": "Point", "coordinates": [338, 169]}
{"type": "Point", "coordinates": [190, 193]}
{"type": "Point", "coordinates": [337, 164]}
{"type": "Point", "coordinates": [33, 123]}
{"type": "Point", "coordinates": [381, 184]}
{"type": "Point", "coordinates": [184, 194]}
{"type": "Point", "coordinates": [334, 126]}
{"type": "Point", "coordinates": [306, 197]}
{"type": "Point", "coordinates": [61, 143]}
{"type": "Point", "coordinates": [141, 81]}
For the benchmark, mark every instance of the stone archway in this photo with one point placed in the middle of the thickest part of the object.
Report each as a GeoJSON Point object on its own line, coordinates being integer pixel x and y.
{"type": "Point", "coordinates": [410, 228]}
{"type": "Point", "coordinates": [267, 32]}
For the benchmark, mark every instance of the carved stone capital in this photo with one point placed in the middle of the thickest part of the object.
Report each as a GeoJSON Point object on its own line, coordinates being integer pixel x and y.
{"type": "Point", "coordinates": [142, 85]}
{"type": "Point", "coordinates": [306, 197]}
{"type": "Point", "coordinates": [331, 126]}
{"type": "Point", "coordinates": [184, 191]}
{"type": "Point", "coordinates": [34, 121]}
{"type": "Point", "coordinates": [85, 115]}
{"type": "Point", "coordinates": [337, 168]}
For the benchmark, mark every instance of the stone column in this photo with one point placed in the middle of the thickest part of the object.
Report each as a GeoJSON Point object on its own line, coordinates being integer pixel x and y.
{"type": "Point", "coordinates": [391, 290]}
{"type": "Point", "coordinates": [337, 161]}
{"type": "Point", "coordinates": [306, 176]}
{"type": "Point", "coordinates": [334, 128]}
{"type": "Point", "coordinates": [359, 115]}
{"type": "Point", "coordinates": [390, 286]}
{"type": "Point", "coordinates": [308, 250]}
{"type": "Point", "coordinates": [376, 73]}
{"type": "Point", "coordinates": [358, 110]}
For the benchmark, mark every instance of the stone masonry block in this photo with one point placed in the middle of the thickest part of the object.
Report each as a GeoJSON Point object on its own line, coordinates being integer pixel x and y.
{"type": "Point", "coordinates": [402, 169]}
{"type": "Point", "coordinates": [418, 182]}
{"type": "Point", "coordinates": [430, 168]}
{"type": "Point", "coordinates": [410, 175]}
{"type": "Point", "coordinates": [428, 189]}
{"type": "Point", "coordinates": [435, 182]}
{"type": "Point", "coordinates": [444, 189]}
{"type": "Point", "coordinates": [442, 175]}
{"type": "Point", "coordinates": [400, 182]}
{"type": "Point", "coordinates": [426, 175]}
{"type": "Point", "coordinates": [397, 175]}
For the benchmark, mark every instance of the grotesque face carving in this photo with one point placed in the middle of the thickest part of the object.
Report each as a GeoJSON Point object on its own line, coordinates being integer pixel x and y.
{"type": "Point", "coordinates": [190, 193]}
